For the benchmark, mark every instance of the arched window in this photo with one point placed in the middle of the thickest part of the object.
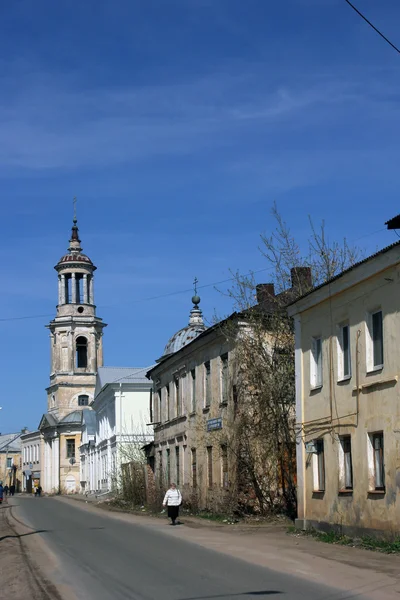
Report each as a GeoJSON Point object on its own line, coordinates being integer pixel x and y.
{"type": "Point", "coordinates": [83, 400]}
{"type": "Point", "coordinates": [81, 352]}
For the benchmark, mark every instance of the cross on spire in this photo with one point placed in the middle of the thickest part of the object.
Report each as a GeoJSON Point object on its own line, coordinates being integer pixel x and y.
{"type": "Point", "coordinates": [74, 202]}
{"type": "Point", "coordinates": [195, 282]}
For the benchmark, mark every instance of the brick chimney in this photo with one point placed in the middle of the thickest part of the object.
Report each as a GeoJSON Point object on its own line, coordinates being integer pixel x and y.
{"type": "Point", "coordinates": [301, 279]}
{"type": "Point", "coordinates": [265, 292]}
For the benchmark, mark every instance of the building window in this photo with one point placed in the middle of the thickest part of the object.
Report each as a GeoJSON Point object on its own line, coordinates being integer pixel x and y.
{"type": "Point", "coordinates": [83, 400]}
{"type": "Point", "coordinates": [178, 407]}
{"type": "Point", "coordinates": [193, 398]}
{"type": "Point", "coordinates": [158, 416]}
{"type": "Point", "coordinates": [376, 461]}
{"type": "Point", "coordinates": [319, 466]}
{"type": "Point", "coordinates": [168, 473]}
{"type": "Point", "coordinates": [70, 448]}
{"type": "Point", "coordinates": [316, 363]}
{"type": "Point", "coordinates": [178, 466]}
{"type": "Point", "coordinates": [345, 464]}
{"type": "Point", "coordinates": [194, 468]}
{"type": "Point", "coordinates": [168, 402]}
{"type": "Point", "coordinates": [209, 467]}
{"type": "Point", "coordinates": [344, 360]}
{"type": "Point", "coordinates": [224, 466]}
{"type": "Point", "coordinates": [160, 468]}
{"type": "Point", "coordinates": [9, 462]}
{"type": "Point", "coordinates": [207, 384]}
{"type": "Point", "coordinates": [235, 398]}
{"type": "Point", "coordinates": [375, 341]}
{"type": "Point", "coordinates": [224, 378]}
{"type": "Point", "coordinates": [81, 352]}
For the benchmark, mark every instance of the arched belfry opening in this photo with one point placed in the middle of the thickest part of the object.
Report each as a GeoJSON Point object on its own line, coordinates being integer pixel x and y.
{"type": "Point", "coordinates": [81, 352]}
{"type": "Point", "coordinates": [75, 288]}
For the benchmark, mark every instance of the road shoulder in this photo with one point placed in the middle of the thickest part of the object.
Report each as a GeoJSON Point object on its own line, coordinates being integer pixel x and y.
{"type": "Point", "coordinates": [359, 571]}
{"type": "Point", "coordinates": [21, 577]}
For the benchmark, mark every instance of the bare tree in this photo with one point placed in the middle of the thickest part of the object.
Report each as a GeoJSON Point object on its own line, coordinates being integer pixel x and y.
{"type": "Point", "coordinates": [263, 437]}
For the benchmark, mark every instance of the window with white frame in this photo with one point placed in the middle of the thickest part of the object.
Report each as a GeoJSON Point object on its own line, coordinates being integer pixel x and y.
{"type": "Point", "coordinates": [316, 362]}
{"type": "Point", "coordinates": [319, 466]}
{"type": "Point", "coordinates": [345, 464]}
{"type": "Point", "coordinates": [374, 340]}
{"type": "Point", "coordinates": [376, 463]}
{"type": "Point", "coordinates": [344, 359]}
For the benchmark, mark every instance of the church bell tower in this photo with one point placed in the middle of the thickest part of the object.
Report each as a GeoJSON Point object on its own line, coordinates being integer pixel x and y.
{"type": "Point", "coordinates": [75, 334]}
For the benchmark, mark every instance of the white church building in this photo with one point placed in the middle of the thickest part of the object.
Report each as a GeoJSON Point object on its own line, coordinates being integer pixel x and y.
{"type": "Point", "coordinates": [121, 428]}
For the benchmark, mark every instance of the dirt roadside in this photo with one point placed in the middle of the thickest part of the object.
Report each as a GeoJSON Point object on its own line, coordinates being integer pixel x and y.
{"type": "Point", "coordinates": [21, 577]}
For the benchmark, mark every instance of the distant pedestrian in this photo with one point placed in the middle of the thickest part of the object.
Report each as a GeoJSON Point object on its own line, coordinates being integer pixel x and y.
{"type": "Point", "coordinates": [6, 490]}
{"type": "Point", "coordinates": [12, 490]}
{"type": "Point", "coordinates": [1, 492]}
{"type": "Point", "coordinates": [39, 490]}
{"type": "Point", "coordinates": [173, 500]}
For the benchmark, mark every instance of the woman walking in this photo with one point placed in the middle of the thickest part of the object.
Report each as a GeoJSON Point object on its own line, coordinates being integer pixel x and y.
{"type": "Point", "coordinates": [173, 500]}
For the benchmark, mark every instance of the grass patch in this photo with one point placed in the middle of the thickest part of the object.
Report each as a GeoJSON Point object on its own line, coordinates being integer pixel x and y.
{"type": "Point", "coordinates": [366, 542]}
{"type": "Point", "coordinates": [203, 514]}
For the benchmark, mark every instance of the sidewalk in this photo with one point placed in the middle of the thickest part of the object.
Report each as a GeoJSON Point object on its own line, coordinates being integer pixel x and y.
{"type": "Point", "coordinates": [358, 571]}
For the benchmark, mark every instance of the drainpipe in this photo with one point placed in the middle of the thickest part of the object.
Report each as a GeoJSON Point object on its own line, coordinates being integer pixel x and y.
{"type": "Point", "coordinates": [358, 373]}
{"type": "Point", "coordinates": [300, 446]}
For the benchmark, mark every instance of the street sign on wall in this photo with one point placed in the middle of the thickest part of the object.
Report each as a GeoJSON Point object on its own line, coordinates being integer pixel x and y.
{"type": "Point", "coordinates": [213, 424]}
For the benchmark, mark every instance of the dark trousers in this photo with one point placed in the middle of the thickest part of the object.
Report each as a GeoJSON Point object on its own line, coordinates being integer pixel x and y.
{"type": "Point", "coordinates": [173, 513]}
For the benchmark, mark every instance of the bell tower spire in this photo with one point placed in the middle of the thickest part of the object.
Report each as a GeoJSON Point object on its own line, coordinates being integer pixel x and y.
{"type": "Point", "coordinates": [75, 242]}
{"type": "Point", "coordinates": [75, 332]}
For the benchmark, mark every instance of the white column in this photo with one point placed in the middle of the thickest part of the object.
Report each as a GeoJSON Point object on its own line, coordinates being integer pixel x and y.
{"type": "Point", "coordinates": [63, 293]}
{"type": "Point", "coordinates": [85, 289]}
{"type": "Point", "coordinates": [56, 464]}
{"type": "Point", "coordinates": [73, 287]}
{"type": "Point", "coordinates": [109, 465]}
{"type": "Point", "coordinates": [59, 290]}
{"type": "Point", "coordinates": [91, 290]}
{"type": "Point", "coordinates": [47, 467]}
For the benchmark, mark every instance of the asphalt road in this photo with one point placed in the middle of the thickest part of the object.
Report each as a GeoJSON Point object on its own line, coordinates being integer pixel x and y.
{"type": "Point", "coordinates": [102, 558]}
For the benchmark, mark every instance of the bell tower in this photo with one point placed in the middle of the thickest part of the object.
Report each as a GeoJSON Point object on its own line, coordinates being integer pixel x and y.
{"type": "Point", "coordinates": [75, 333]}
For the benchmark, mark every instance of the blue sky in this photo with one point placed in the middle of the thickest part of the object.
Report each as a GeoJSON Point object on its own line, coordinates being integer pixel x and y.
{"type": "Point", "coordinates": [177, 124]}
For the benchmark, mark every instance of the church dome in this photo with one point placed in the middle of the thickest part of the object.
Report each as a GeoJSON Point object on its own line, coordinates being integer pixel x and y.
{"type": "Point", "coordinates": [75, 254]}
{"type": "Point", "coordinates": [69, 258]}
{"type": "Point", "coordinates": [186, 335]}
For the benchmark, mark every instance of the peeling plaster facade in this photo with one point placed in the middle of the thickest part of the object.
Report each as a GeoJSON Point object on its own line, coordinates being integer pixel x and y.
{"type": "Point", "coordinates": [352, 412]}
{"type": "Point", "coordinates": [193, 411]}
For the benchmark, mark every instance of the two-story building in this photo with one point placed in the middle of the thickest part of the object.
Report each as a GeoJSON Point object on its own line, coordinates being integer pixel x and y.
{"type": "Point", "coordinates": [195, 408]}
{"type": "Point", "coordinates": [31, 442]}
{"type": "Point", "coordinates": [191, 412]}
{"type": "Point", "coordinates": [347, 357]}
{"type": "Point", "coordinates": [10, 460]}
{"type": "Point", "coordinates": [118, 428]}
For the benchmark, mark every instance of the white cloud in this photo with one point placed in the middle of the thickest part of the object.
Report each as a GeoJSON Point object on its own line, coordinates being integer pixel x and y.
{"type": "Point", "coordinates": [50, 124]}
